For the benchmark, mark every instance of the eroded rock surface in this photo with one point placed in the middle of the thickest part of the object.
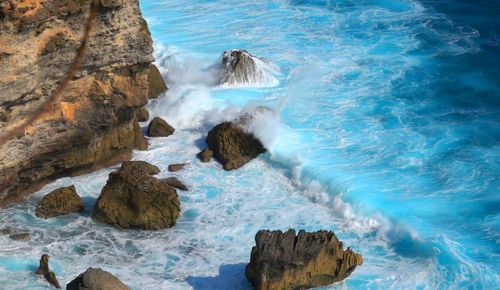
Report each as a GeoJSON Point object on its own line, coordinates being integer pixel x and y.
{"type": "Point", "coordinates": [58, 202]}
{"type": "Point", "coordinates": [132, 198]}
{"type": "Point", "coordinates": [232, 146]}
{"type": "Point", "coordinates": [96, 279]}
{"type": "Point", "coordinates": [284, 260]}
{"type": "Point", "coordinates": [94, 122]}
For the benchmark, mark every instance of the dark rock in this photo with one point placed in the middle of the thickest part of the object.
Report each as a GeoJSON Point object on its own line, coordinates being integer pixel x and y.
{"type": "Point", "coordinates": [160, 128]}
{"type": "Point", "coordinates": [176, 167]}
{"type": "Point", "coordinates": [307, 260]}
{"type": "Point", "coordinates": [5, 231]}
{"type": "Point", "coordinates": [147, 168]}
{"type": "Point", "coordinates": [240, 67]}
{"type": "Point", "coordinates": [20, 237]}
{"type": "Point", "coordinates": [156, 83]}
{"type": "Point", "coordinates": [132, 198]}
{"type": "Point", "coordinates": [142, 114]}
{"type": "Point", "coordinates": [205, 155]}
{"type": "Point", "coordinates": [43, 269]}
{"type": "Point", "coordinates": [58, 202]}
{"type": "Point", "coordinates": [174, 182]}
{"type": "Point", "coordinates": [96, 279]}
{"type": "Point", "coordinates": [232, 146]}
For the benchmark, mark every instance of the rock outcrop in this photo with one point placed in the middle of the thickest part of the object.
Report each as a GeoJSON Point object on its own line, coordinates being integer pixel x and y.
{"type": "Point", "coordinates": [205, 155]}
{"type": "Point", "coordinates": [232, 146]}
{"type": "Point", "coordinates": [58, 202]}
{"type": "Point", "coordinates": [160, 128]}
{"type": "Point", "coordinates": [239, 67]}
{"type": "Point", "coordinates": [93, 124]}
{"type": "Point", "coordinates": [96, 279]}
{"type": "Point", "coordinates": [43, 269]}
{"type": "Point", "coordinates": [132, 198]}
{"type": "Point", "coordinates": [176, 183]}
{"type": "Point", "coordinates": [283, 260]}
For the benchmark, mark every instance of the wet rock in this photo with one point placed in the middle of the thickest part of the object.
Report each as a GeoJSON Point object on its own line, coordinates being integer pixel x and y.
{"type": "Point", "coordinates": [232, 146]}
{"type": "Point", "coordinates": [283, 260]}
{"type": "Point", "coordinates": [43, 269]}
{"type": "Point", "coordinates": [132, 198]}
{"type": "Point", "coordinates": [142, 114]}
{"type": "Point", "coordinates": [96, 279]}
{"type": "Point", "coordinates": [20, 237]}
{"type": "Point", "coordinates": [176, 183]}
{"type": "Point", "coordinates": [156, 83]}
{"type": "Point", "coordinates": [5, 231]}
{"type": "Point", "coordinates": [205, 155]}
{"type": "Point", "coordinates": [59, 202]}
{"type": "Point", "coordinates": [176, 167]}
{"type": "Point", "coordinates": [160, 128]}
{"type": "Point", "coordinates": [240, 67]}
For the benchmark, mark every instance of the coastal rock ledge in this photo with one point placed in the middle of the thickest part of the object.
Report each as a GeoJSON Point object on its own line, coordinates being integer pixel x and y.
{"type": "Point", "coordinates": [93, 124]}
{"type": "Point", "coordinates": [284, 260]}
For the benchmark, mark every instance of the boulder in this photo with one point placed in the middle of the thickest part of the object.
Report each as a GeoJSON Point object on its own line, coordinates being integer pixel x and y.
{"type": "Point", "coordinates": [284, 260]}
{"type": "Point", "coordinates": [58, 202]}
{"type": "Point", "coordinates": [160, 128]}
{"type": "Point", "coordinates": [156, 83]}
{"type": "Point", "coordinates": [232, 146]}
{"type": "Point", "coordinates": [239, 67]}
{"type": "Point", "coordinates": [205, 155]}
{"type": "Point", "coordinates": [176, 183]}
{"type": "Point", "coordinates": [142, 114]}
{"type": "Point", "coordinates": [43, 269]}
{"type": "Point", "coordinates": [96, 279]}
{"type": "Point", "coordinates": [132, 198]}
{"type": "Point", "coordinates": [176, 167]}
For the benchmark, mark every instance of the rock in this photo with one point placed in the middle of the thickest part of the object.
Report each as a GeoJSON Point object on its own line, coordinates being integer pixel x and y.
{"type": "Point", "coordinates": [20, 237]}
{"type": "Point", "coordinates": [160, 128]}
{"type": "Point", "coordinates": [232, 146]}
{"type": "Point", "coordinates": [283, 260]}
{"type": "Point", "coordinates": [176, 167]}
{"type": "Point", "coordinates": [132, 198]}
{"type": "Point", "coordinates": [239, 67]}
{"type": "Point", "coordinates": [142, 114]}
{"type": "Point", "coordinates": [93, 125]}
{"type": "Point", "coordinates": [43, 269]}
{"type": "Point", "coordinates": [58, 202]}
{"type": "Point", "coordinates": [96, 279]}
{"type": "Point", "coordinates": [5, 231]}
{"type": "Point", "coordinates": [176, 183]}
{"type": "Point", "coordinates": [205, 155]}
{"type": "Point", "coordinates": [156, 83]}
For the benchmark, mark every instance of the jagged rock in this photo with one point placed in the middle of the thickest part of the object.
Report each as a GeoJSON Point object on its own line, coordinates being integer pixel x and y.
{"type": "Point", "coordinates": [142, 114]}
{"type": "Point", "coordinates": [176, 167]}
{"type": "Point", "coordinates": [205, 155]}
{"type": "Point", "coordinates": [176, 183]}
{"type": "Point", "coordinates": [20, 237]}
{"type": "Point", "coordinates": [240, 67]}
{"type": "Point", "coordinates": [283, 260]}
{"type": "Point", "coordinates": [232, 146]}
{"type": "Point", "coordinates": [93, 125]}
{"type": "Point", "coordinates": [160, 128]}
{"type": "Point", "coordinates": [43, 269]}
{"type": "Point", "coordinates": [132, 198]}
{"type": "Point", "coordinates": [58, 202]}
{"type": "Point", "coordinates": [96, 279]}
{"type": "Point", "coordinates": [156, 83]}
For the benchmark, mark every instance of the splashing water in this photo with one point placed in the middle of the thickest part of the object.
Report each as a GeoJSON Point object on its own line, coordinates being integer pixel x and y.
{"type": "Point", "coordinates": [384, 127]}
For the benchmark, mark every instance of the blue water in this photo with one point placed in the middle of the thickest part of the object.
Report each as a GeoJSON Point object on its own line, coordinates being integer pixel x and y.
{"type": "Point", "coordinates": [387, 131]}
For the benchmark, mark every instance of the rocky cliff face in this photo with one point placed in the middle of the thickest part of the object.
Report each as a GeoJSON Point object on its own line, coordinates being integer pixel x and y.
{"type": "Point", "coordinates": [94, 121]}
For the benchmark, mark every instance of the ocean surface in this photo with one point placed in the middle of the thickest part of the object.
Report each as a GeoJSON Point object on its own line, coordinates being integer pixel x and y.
{"type": "Point", "coordinates": [385, 127]}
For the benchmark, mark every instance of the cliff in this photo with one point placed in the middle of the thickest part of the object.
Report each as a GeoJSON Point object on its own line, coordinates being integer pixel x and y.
{"type": "Point", "coordinates": [93, 123]}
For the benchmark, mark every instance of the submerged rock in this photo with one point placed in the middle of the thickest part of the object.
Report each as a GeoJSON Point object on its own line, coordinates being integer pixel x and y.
{"type": "Point", "coordinates": [20, 237]}
{"type": "Point", "coordinates": [283, 260]}
{"type": "Point", "coordinates": [132, 198]}
{"type": "Point", "coordinates": [176, 183]}
{"type": "Point", "coordinates": [176, 167]}
{"type": "Point", "coordinates": [43, 269]}
{"type": "Point", "coordinates": [96, 279]}
{"type": "Point", "coordinates": [205, 155]}
{"type": "Point", "coordinates": [239, 67]}
{"type": "Point", "coordinates": [58, 202]}
{"type": "Point", "coordinates": [232, 146]}
{"type": "Point", "coordinates": [160, 128]}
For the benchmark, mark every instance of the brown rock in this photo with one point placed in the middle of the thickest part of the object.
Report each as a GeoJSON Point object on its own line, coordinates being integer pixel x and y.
{"type": "Point", "coordinates": [160, 128]}
{"type": "Point", "coordinates": [147, 168]}
{"type": "Point", "coordinates": [176, 183]}
{"type": "Point", "coordinates": [142, 114]}
{"type": "Point", "coordinates": [96, 279]}
{"type": "Point", "coordinates": [43, 269]}
{"type": "Point", "coordinates": [156, 83]}
{"type": "Point", "coordinates": [20, 237]}
{"type": "Point", "coordinates": [205, 155]}
{"type": "Point", "coordinates": [93, 124]}
{"type": "Point", "coordinates": [232, 146]}
{"type": "Point", "coordinates": [307, 260]}
{"type": "Point", "coordinates": [132, 198]}
{"type": "Point", "coordinates": [59, 202]}
{"type": "Point", "coordinates": [176, 167]}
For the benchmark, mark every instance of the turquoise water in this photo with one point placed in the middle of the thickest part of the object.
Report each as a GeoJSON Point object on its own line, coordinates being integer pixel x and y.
{"type": "Point", "coordinates": [387, 131]}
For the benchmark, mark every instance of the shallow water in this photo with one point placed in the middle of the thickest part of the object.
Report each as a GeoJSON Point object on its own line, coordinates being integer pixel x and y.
{"type": "Point", "coordinates": [386, 131]}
